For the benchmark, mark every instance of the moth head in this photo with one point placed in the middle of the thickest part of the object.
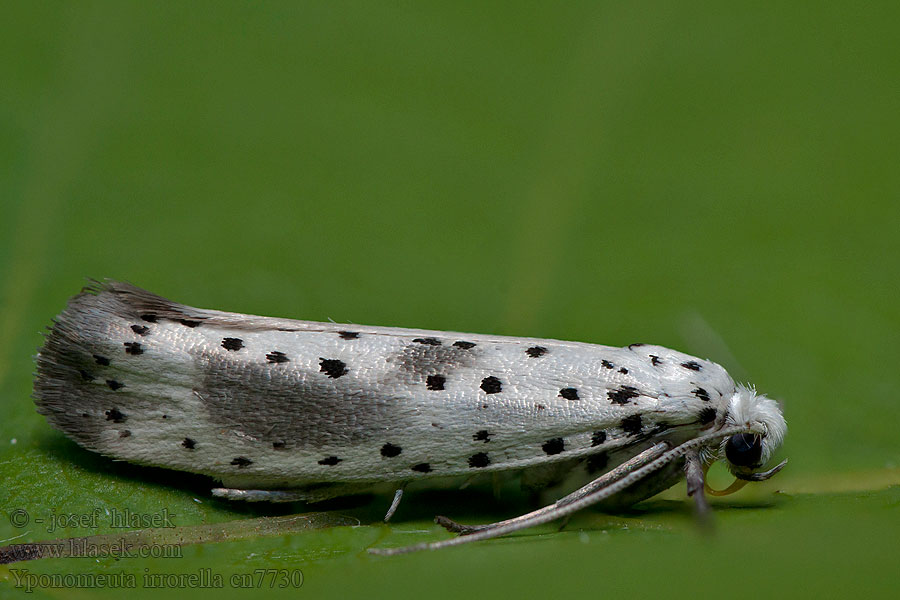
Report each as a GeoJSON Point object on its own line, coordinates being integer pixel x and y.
{"type": "Point", "coordinates": [747, 452]}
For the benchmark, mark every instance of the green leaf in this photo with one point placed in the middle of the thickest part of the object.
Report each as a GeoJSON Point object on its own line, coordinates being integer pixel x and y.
{"type": "Point", "coordinates": [717, 178]}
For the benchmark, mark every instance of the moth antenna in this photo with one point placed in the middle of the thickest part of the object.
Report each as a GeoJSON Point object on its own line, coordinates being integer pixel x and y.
{"type": "Point", "coordinates": [556, 511]}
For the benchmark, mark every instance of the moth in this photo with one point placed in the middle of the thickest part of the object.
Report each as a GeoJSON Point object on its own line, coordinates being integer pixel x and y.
{"type": "Point", "coordinates": [284, 410]}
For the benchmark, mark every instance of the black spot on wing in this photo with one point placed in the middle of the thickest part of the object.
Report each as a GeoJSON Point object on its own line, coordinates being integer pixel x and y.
{"type": "Point", "coordinates": [435, 382]}
{"type": "Point", "coordinates": [482, 436]}
{"type": "Point", "coordinates": [623, 395]}
{"type": "Point", "coordinates": [150, 318]}
{"type": "Point", "coordinates": [133, 348]}
{"type": "Point", "coordinates": [140, 329]}
{"type": "Point", "coordinates": [536, 351]}
{"type": "Point", "coordinates": [569, 393]}
{"type": "Point", "coordinates": [114, 385]}
{"type": "Point", "coordinates": [124, 433]}
{"type": "Point", "coordinates": [607, 365]}
{"type": "Point", "coordinates": [276, 357]}
{"type": "Point", "coordinates": [348, 335]}
{"type": "Point", "coordinates": [491, 385]}
{"type": "Point", "coordinates": [655, 360]}
{"type": "Point", "coordinates": [332, 367]}
{"type": "Point", "coordinates": [706, 415]}
{"type": "Point", "coordinates": [330, 461]}
{"type": "Point", "coordinates": [390, 450]}
{"type": "Point", "coordinates": [241, 462]}
{"type": "Point", "coordinates": [693, 365]}
{"type": "Point", "coordinates": [623, 371]}
{"type": "Point", "coordinates": [233, 344]}
{"type": "Point", "coordinates": [464, 345]}
{"type": "Point", "coordinates": [101, 360]}
{"type": "Point", "coordinates": [599, 437]}
{"type": "Point", "coordinates": [554, 446]}
{"type": "Point", "coordinates": [428, 341]}
{"type": "Point", "coordinates": [479, 460]}
{"type": "Point", "coordinates": [421, 468]}
{"type": "Point", "coordinates": [189, 443]}
{"type": "Point", "coordinates": [189, 323]}
{"type": "Point", "coordinates": [701, 393]}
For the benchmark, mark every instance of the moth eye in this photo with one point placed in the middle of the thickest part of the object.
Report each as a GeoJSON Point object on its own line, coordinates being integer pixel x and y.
{"type": "Point", "coordinates": [744, 450]}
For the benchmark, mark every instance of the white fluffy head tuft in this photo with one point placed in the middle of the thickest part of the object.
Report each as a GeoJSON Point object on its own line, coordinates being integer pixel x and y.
{"type": "Point", "coordinates": [759, 414]}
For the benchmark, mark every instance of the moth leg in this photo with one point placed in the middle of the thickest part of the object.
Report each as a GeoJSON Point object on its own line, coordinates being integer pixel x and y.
{"type": "Point", "coordinates": [629, 466]}
{"type": "Point", "coordinates": [394, 504]}
{"type": "Point", "coordinates": [468, 481]}
{"type": "Point", "coordinates": [454, 527]}
{"type": "Point", "coordinates": [693, 471]}
{"type": "Point", "coordinates": [555, 512]}
{"type": "Point", "coordinates": [259, 495]}
{"type": "Point", "coordinates": [312, 493]}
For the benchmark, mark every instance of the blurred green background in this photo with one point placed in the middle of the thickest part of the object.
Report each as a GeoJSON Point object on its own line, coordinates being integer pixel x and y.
{"type": "Point", "coordinates": [718, 178]}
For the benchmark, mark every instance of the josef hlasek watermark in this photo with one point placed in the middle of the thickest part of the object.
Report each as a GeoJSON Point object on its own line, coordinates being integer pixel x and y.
{"type": "Point", "coordinates": [113, 518]}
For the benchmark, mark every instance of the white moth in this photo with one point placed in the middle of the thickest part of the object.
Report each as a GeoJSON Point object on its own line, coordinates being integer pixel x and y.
{"type": "Point", "coordinates": [283, 410]}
